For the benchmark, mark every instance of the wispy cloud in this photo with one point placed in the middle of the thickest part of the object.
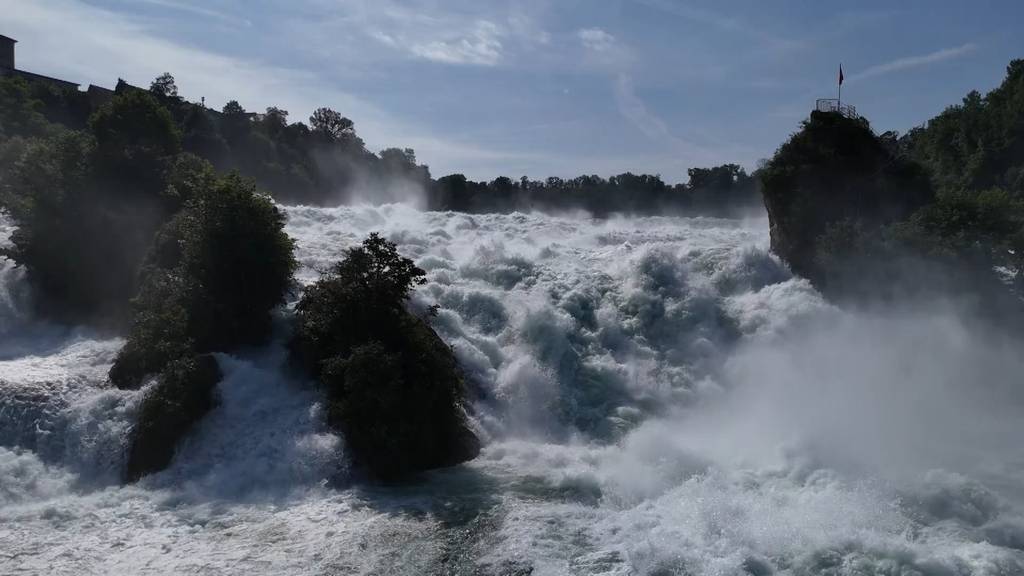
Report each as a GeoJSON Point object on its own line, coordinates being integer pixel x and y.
{"type": "Point", "coordinates": [482, 46]}
{"type": "Point", "coordinates": [914, 61]}
{"type": "Point", "coordinates": [198, 10]}
{"type": "Point", "coordinates": [453, 33]}
{"type": "Point", "coordinates": [596, 39]}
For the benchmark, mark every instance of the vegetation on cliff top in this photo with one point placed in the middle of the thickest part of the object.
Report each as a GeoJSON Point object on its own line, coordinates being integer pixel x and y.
{"type": "Point", "coordinates": [325, 162]}
{"type": "Point", "coordinates": [941, 208]}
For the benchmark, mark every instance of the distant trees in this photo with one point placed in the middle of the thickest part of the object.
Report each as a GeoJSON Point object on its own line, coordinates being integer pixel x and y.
{"type": "Point", "coordinates": [723, 191]}
{"type": "Point", "coordinates": [323, 161]}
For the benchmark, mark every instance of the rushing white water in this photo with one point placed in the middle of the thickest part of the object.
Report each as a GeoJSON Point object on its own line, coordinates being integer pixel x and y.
{"type": "Point", "coordinates": [657, 396]}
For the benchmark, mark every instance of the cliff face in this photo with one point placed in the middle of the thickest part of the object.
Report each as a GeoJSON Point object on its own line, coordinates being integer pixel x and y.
{"type": "Point", "coordinates": [835, 173]}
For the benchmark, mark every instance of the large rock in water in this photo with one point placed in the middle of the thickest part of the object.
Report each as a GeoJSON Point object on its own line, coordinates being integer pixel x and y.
{"type": "Point", "coordinates": [183, 394]}
{"type": "Point", "coordinates": [393, 386]}
{"type": "Point", "coordinates": [397, 400]}
{"type": "Point", "coordinates": [836, 171]}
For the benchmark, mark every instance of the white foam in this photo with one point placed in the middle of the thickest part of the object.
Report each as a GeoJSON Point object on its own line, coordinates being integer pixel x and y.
{"type": "Point", "coordinates": [658, 396]}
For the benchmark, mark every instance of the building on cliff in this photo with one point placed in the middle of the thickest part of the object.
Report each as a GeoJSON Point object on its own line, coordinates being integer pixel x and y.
{"type": "Point", "coordinates": [97, 95]}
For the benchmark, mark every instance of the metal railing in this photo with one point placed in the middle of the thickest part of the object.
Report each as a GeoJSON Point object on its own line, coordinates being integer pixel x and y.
{"type": "Point", "coordinates": [834, 105]}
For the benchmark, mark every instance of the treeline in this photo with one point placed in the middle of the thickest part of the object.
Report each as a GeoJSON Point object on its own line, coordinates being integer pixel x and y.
{"type": "Point", "coordinates": [725, 190]}
{"type": "Point", "coordinates": [941, 208]}
{"type": "Point", "coordinates": [325, 162]}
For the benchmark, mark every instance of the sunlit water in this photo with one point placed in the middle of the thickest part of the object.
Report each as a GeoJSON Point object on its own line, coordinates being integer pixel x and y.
{"type": "Point", "coordinates": [656, 396]}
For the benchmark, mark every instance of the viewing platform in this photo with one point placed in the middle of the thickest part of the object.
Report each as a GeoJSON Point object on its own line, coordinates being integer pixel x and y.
{"type": "Point", "coordinates": [834, 105]}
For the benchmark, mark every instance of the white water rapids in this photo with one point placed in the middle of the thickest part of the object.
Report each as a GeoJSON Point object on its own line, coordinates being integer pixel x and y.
{"type": "Point", "coordinates": [657, 396]}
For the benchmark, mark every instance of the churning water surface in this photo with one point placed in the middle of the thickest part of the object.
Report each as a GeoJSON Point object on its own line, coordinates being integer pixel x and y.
{"type": "Point", "coordinates": [656, 395]}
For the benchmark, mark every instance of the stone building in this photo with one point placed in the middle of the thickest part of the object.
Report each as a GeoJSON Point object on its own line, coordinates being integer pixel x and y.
{"type": "Point", "coordinates": [8, 68]}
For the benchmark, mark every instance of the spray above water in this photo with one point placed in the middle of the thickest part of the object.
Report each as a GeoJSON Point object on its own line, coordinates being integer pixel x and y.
{"type": "Point", "coordinates": [656, 395]}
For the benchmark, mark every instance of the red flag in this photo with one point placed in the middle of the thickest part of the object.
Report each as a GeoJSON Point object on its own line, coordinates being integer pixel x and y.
{"type": "Point", "coordinates": [840, 74]}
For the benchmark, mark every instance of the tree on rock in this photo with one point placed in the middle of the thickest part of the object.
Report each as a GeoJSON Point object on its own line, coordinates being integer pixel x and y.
{"type": "Point", "coordinates": [215, 273]}
{"type": "Point", "coordinates": [393, 386]}
{"type": "Point", "coordinates": [835, 171]}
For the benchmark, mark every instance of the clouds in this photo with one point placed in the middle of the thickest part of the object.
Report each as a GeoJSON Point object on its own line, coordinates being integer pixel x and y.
{"type": "Point", "coordinates": [457, 34]}
{"type": "Point", "coordinates": [596, 39]}
{"type": "Point", "coordinates": [481, 46]}
{"type": "Point", "coordinates": [914, 61]}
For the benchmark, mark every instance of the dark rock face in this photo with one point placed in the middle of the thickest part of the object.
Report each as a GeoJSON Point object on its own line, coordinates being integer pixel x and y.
{"type": "Point", "coordinates": [835, 170]}
{"type": "Point", "coordinates": [185, 392]}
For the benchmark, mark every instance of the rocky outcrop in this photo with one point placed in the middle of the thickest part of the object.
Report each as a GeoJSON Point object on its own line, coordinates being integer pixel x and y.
{"type": "Point", "coordinates": [184, 393]}
{"type": "Point", "coordinates": [836, 172]}
{"type": "Point", "coordinates": [393, 387]}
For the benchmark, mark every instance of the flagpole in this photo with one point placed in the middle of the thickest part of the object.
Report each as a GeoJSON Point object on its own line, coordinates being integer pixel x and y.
{"type": "Point", "coordinates": [840, 88]}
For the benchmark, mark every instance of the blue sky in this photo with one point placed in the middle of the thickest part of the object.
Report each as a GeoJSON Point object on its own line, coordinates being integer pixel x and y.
{"type": "Point", "coordinates": [540, 87]}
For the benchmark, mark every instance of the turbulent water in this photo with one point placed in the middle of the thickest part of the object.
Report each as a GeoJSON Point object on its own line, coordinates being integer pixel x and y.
{"type": "Point", "coordinates": [656, 395]}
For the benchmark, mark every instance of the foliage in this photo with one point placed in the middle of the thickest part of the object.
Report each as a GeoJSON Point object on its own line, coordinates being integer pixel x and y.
{"type": "Point", "coordinates": [833, 170]}
{"type": "Point", "coordinates": [79, 238]}
{"type": "Point", "coordinates": [185, 392]}
{"type": "Point", "coordinates": [722, 190]}
{"type": "Point", "coordinates": [215, 273]}
{"type": "Point", "coordinates": [393, 386]}
{"type": "Point", "coordinates": [325, 162]}
{"type": "Point", "coordinates": [331, 126]}
{"type": "Point", "coordinates": [164, 86]}
{"type": "Point", "coordinates": [135, 136]}
{"type": "Point", "coordinates": [354, 300]}
{"type": "Point", "coordinates": [985, 229]}
{"type": "Point", "coordinates": [978, 144]}
{"type": "Point", "coordinates": [20, 113]}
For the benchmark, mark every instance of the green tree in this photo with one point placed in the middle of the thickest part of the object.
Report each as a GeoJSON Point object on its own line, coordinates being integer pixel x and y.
{"type": "Point", "coordinates": [215, 273]}
{"type": "Point", "coordinates": [164, 86]}
{"type": "Point", "coordinates": [331, 126]}
{"type": "Point", "coordinates": [135, 137]}
{"type": "Point", "coordinates": [233, 108]}
{"type": "Point", "coordinates": [20, 113]}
